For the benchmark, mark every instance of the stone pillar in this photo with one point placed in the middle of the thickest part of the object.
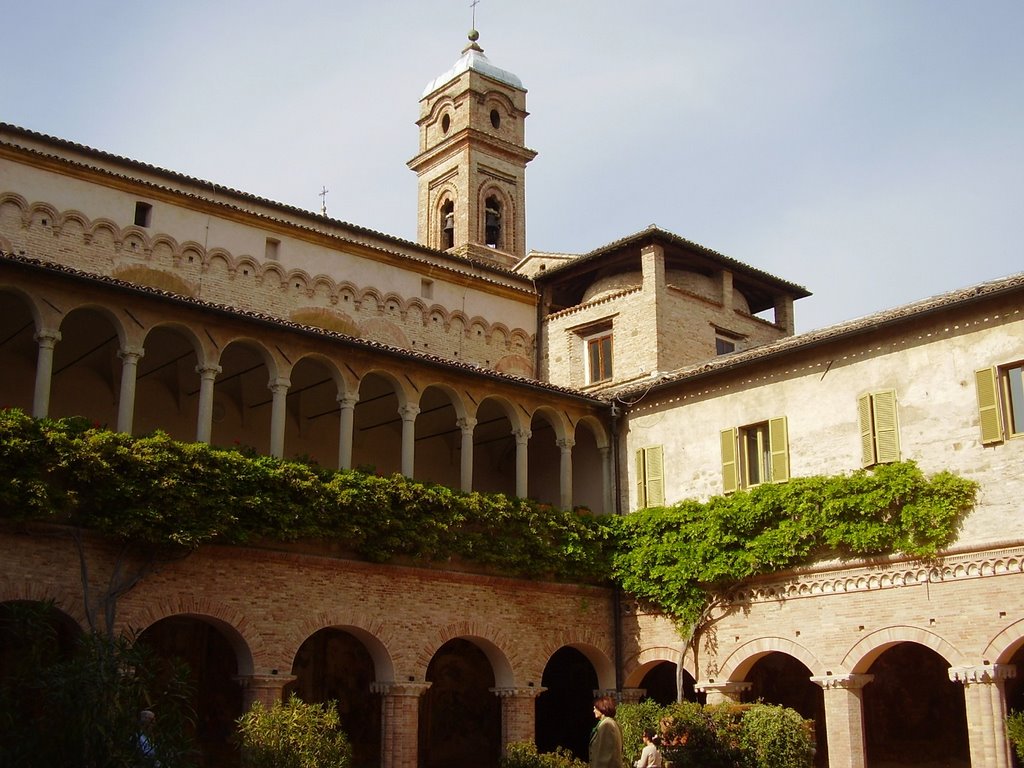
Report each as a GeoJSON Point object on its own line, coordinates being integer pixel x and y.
{"type": "Point", "coordinates": [606, 481]}
{"type": "Point", "coordinates": [346, 425]}
{"type": "Point", "coordinates": [518, 714]}
{"type": "Point", "coordinates": [266, 689]}
{"type": "Point", "coordinates": [399, 723]}
{"type": "Point", "coordinates": [631, 695]}
{"type": "Point", "coordinates": [204, 421]}
{"type": "Point", "coordinates": [522, 437]}
{"type": "Point", "coordinates": [723, 692]}
{"type": "Point", "coordinates": [565, 474]}
{"type": "Point", "coordinates": [47, 340]}
{"type": "Point", "coordinates": [844, 719]}
{"type": "Point", "coordinates": [467, 425]}
{"type": "Point", "coordinates": [985, 696]}
{"type": "Point", "coordinates": [278, 415]}
{"type": "Point", "coordinates": [129, 376]}
{"type": "Point", "coordinates": [408, 414]}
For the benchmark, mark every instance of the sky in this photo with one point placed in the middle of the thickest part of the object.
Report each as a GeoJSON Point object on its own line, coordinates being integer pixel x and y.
{"type": "Point", "coordinates": [871, 151]}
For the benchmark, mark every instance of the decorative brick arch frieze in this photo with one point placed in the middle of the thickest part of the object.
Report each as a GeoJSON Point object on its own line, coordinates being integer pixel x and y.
{"type": "Point", "coordinates": [376, 636]}
{"type": "Point", "coordinates": [637, 667]}
{"type": "Point", "coordinates": [36, 591]}
{"type": "Point", "coordinates": [595, 646]}
{"type": "Point", "coordinates": [251, 651]}
{"type": "Point", "coordinates": [738, 664]}
{"type": "Point", "coordinates": [860, 657]}
{"type": "Point", "coordinates": [497, 643]}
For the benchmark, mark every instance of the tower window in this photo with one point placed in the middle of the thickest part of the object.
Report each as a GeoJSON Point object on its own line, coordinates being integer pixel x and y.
{"type": "Point", "coordinates": [446, 122]}
{"type": "Point", "coordinates": [143, 214]}
{"type": "Point", "coordinates": [495, 119]}
{"type": "Point", "coordinates": [492, 222]}
{"type": "Point", "coordinates": [447, 225]}
{"type": "Point", "coordinates": [273, 249]}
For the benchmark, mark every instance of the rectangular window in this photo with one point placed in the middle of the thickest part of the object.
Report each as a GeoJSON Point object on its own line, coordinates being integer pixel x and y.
{"type": "Point", "coordinates": [724, 346]}
{"type": "Point", "coordinates": [1000, 402]}
{"type": "Point", "coordinates": [650, 477]}
{"type": "Point", "coordinates": [427, 288]}
{"type": "Point", "coordinates": [272, 250]}
{"type": "Point", "coordinates": [755, 454]}
{"type": "Point", "coordinates": [879, 433]}
{"type": "Point", "coordinates": [143, 214]}
{"type": "Point", "coordinates": [599, 358]}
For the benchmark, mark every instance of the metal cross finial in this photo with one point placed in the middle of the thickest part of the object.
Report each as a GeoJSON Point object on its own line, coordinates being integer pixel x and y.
{"type": "Point", "coordinates": [473, 6]}
{"type": "Point", "coordinates": [323, 201]}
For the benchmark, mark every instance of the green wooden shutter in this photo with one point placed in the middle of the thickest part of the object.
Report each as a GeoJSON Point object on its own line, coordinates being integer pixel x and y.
{"type": "Point", "coordinates": [730, 467]}
{"type": "Point", "coordinates": [641, 481]}
{"type": "Point", "coordinates": [867, 434]}
{"type": "Point", "coordinates": [887, 436]}
{"type": "Point", "coordinates": [655, 472]}
{"type": "Point", "coordinates": [778, 445]}
{"type": "Point", "coordinates": [987, 384]}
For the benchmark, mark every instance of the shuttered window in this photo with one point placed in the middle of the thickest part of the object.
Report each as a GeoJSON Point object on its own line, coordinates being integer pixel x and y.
{"type": "Point", "coordinates": [755, 454]}
{"type": "Point", "coordinates": [1000, 402]}
{"type": "Point", "coordinates": [650, 474]}
{"type": "Point", "coordinates": [879, 430]}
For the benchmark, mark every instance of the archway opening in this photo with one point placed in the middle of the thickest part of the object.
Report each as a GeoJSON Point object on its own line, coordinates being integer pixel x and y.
{"type": "Point", "coordinates": [438, 439]}
{"type": "Point", "coordinates": [460, 716]}
{"type": "Point", "coordinates": [565, 711]}
{"type": "Point", "coordinates": [914, 715]}
{"type": "Point", "coordinates": [312, 426]}
{"type": "Point", "coordinates": [778, 678]}
{"type": "Point", "coordinates": [333, 665]}
{"type": "Point", "coordinates": [494, 450]}
{"type": "Point", "coordinates": [167, 394]}
{"type": "Point", "coordinates": [213, 667]}
{"type": "Point", "coordinates": [18, 352]}
{"type": "Point", "coordinates": [86, 369]}
{"type": "Point", "coordinates": [661, 685]}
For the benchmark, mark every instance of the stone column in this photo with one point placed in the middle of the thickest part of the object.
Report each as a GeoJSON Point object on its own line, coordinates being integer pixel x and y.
{"type": "Point", "coordinates": [723, 692]}
{"type": "Point", "coordinates": [518, 714]}
{"type": "Point", "coordinates": [204, 421]}
{"type": "Point", "coordinates": [408, 414]}
{"type": "Point", "coordinates": [466, 475]}
{"type": "Point", "coordinates": [129, 376]}
{"type": "Point", "coordinates": [985, 696]}
{"type": "Point", "coordinates": [266, 689]}
{"type": "Point", "coordinates": [522, 437]}
{"type": "Point", "coordinates": [631, 695]}
{"type": "Point", "coordinates": [346, 424]}
{"type": "Point", "coordinates": [606, 481]}
{"type": "Point", "coordinates": [565, 475]}
{"type": "Point", "coordinates": [47, 340]}
{"type": "Point", "coordinates": [844, 719]}
{"type": "Point", "coordinates": [399, 723]}
{"type": "Point", "coordinates": [278, 415]}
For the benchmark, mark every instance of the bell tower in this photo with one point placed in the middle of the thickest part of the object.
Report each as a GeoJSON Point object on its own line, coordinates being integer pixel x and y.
{"type": "Point", "coordinates": [472, 161]}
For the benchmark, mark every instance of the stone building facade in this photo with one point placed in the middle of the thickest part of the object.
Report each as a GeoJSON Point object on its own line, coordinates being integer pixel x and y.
{"type": "Point", "coordinates": [638, 374]}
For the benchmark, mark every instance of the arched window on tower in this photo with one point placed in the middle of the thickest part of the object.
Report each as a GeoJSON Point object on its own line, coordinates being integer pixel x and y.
{"type": "Point", "coordinates": [492, 222]}
{"type": "Point", "coordinates": [447, 225]}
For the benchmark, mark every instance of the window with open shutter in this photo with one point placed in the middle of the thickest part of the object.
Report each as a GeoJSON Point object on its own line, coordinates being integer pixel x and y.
{"type": "Point", "coordinates": [730, 466]}
{"type": "Point", "coordinates": [778, 447]}
{"type": "Point", "coordinates": [988, 406]}
{"type": "Point", "coordinates": [650, 473]}
{"type": "Point", "coordinates": [879, 429]}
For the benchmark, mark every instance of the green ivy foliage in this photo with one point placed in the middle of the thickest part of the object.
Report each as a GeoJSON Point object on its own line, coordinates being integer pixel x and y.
{"type": "Point", "coordinates": [682, 557]}
{"type": "Point", "coordinates": [162, 493]}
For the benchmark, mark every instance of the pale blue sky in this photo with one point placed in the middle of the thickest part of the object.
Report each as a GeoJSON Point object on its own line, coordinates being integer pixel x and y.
{"type": "Point", "coordinates": [870, 150]}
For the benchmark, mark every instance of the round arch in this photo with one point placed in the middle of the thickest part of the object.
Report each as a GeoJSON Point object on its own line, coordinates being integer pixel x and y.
{"type": "Point", "coordinates": [860, 657]}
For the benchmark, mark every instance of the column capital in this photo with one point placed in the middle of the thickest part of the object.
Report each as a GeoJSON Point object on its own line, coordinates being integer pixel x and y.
{"type": "Point", "coordinates": [47, 336]}
{"type": "Point", "coordinates": [565, 443]}
{"type": "Point", "coordinates": [208, 371]}
{"type": "Point", "coordinates": [129, 351]}
{"type": "Point", "coordinates": [725, 687]}
{"type": "Point", "coordinates": [522, 436]}
{"type": "Point", "coordinates": [400, 689]}
{"type": "Point", "coordinates": [465, 423]}
{"type": "Point", "coordinates": [982, 673]}
{"type": "Point", "coordinates": [409, 412]}
{"type": "Point", "coordinates": [632, 695]}
{"type": "Point", "coordinates": [348, 399]}
{"type": "Point", "coordinates": [849, 682]}
{"type": "Point", "coordinates": [518, 693]}
{"type": "Point", "coordinates": [264, 681]}
{"type": "Point", "coordinates": [279, 384]}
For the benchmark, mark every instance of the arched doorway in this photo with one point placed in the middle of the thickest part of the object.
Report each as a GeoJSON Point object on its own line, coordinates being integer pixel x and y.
{"type": "Point", "coordinates": [213, 664]}
{"type": "Point", "coordinates": [565, 711]}
{"type": "Point", "coordinates": [334, 665]}
{"type": "Point", "coordinates": [913, 714]}
{"type": "Point", "coordinates": [460, 716]}
{"type": "Point", "coordinates": [660, 683]}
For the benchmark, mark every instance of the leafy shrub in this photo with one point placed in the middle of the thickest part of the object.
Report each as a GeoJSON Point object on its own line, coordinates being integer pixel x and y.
{"type": "Point", "coordinates": [523, 754]}
{"type": "Point", "coordinates": [1015, 732]}
{"type": "Point", "coordinates": [633, 719]}
{"type": "Point", "coordinates": [776, 737]}
{"type": "Point", "coordinates": [695, 736]}
{"type": "Point", "coordinates": [293, 734]}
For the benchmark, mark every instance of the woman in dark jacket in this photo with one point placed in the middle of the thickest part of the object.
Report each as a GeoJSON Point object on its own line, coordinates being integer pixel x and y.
{"type": "Point", "coordinates": [606, 740]}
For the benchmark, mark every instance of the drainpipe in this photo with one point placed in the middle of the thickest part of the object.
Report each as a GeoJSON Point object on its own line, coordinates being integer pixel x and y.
{"type": "Point", "coordinates": [615, 411]}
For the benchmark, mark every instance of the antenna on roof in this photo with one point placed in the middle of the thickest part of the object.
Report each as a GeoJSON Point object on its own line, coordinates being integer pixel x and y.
{"type": "Point", "coordinates": [323, 201]}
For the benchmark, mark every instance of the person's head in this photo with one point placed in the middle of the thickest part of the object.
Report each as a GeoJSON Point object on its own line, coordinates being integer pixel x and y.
{"type": "Point", "coordinates": [605, 705]}
{"type": "Point", "coordinates": [146, 718]}
{"type": "Point", "coordinates": [651, 736]}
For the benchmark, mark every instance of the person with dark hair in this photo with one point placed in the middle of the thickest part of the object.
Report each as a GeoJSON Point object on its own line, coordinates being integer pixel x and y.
{"type": "Point", "coordinates": [650, 757]}
{"type": "Point", "coordinates": [606, 739]}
